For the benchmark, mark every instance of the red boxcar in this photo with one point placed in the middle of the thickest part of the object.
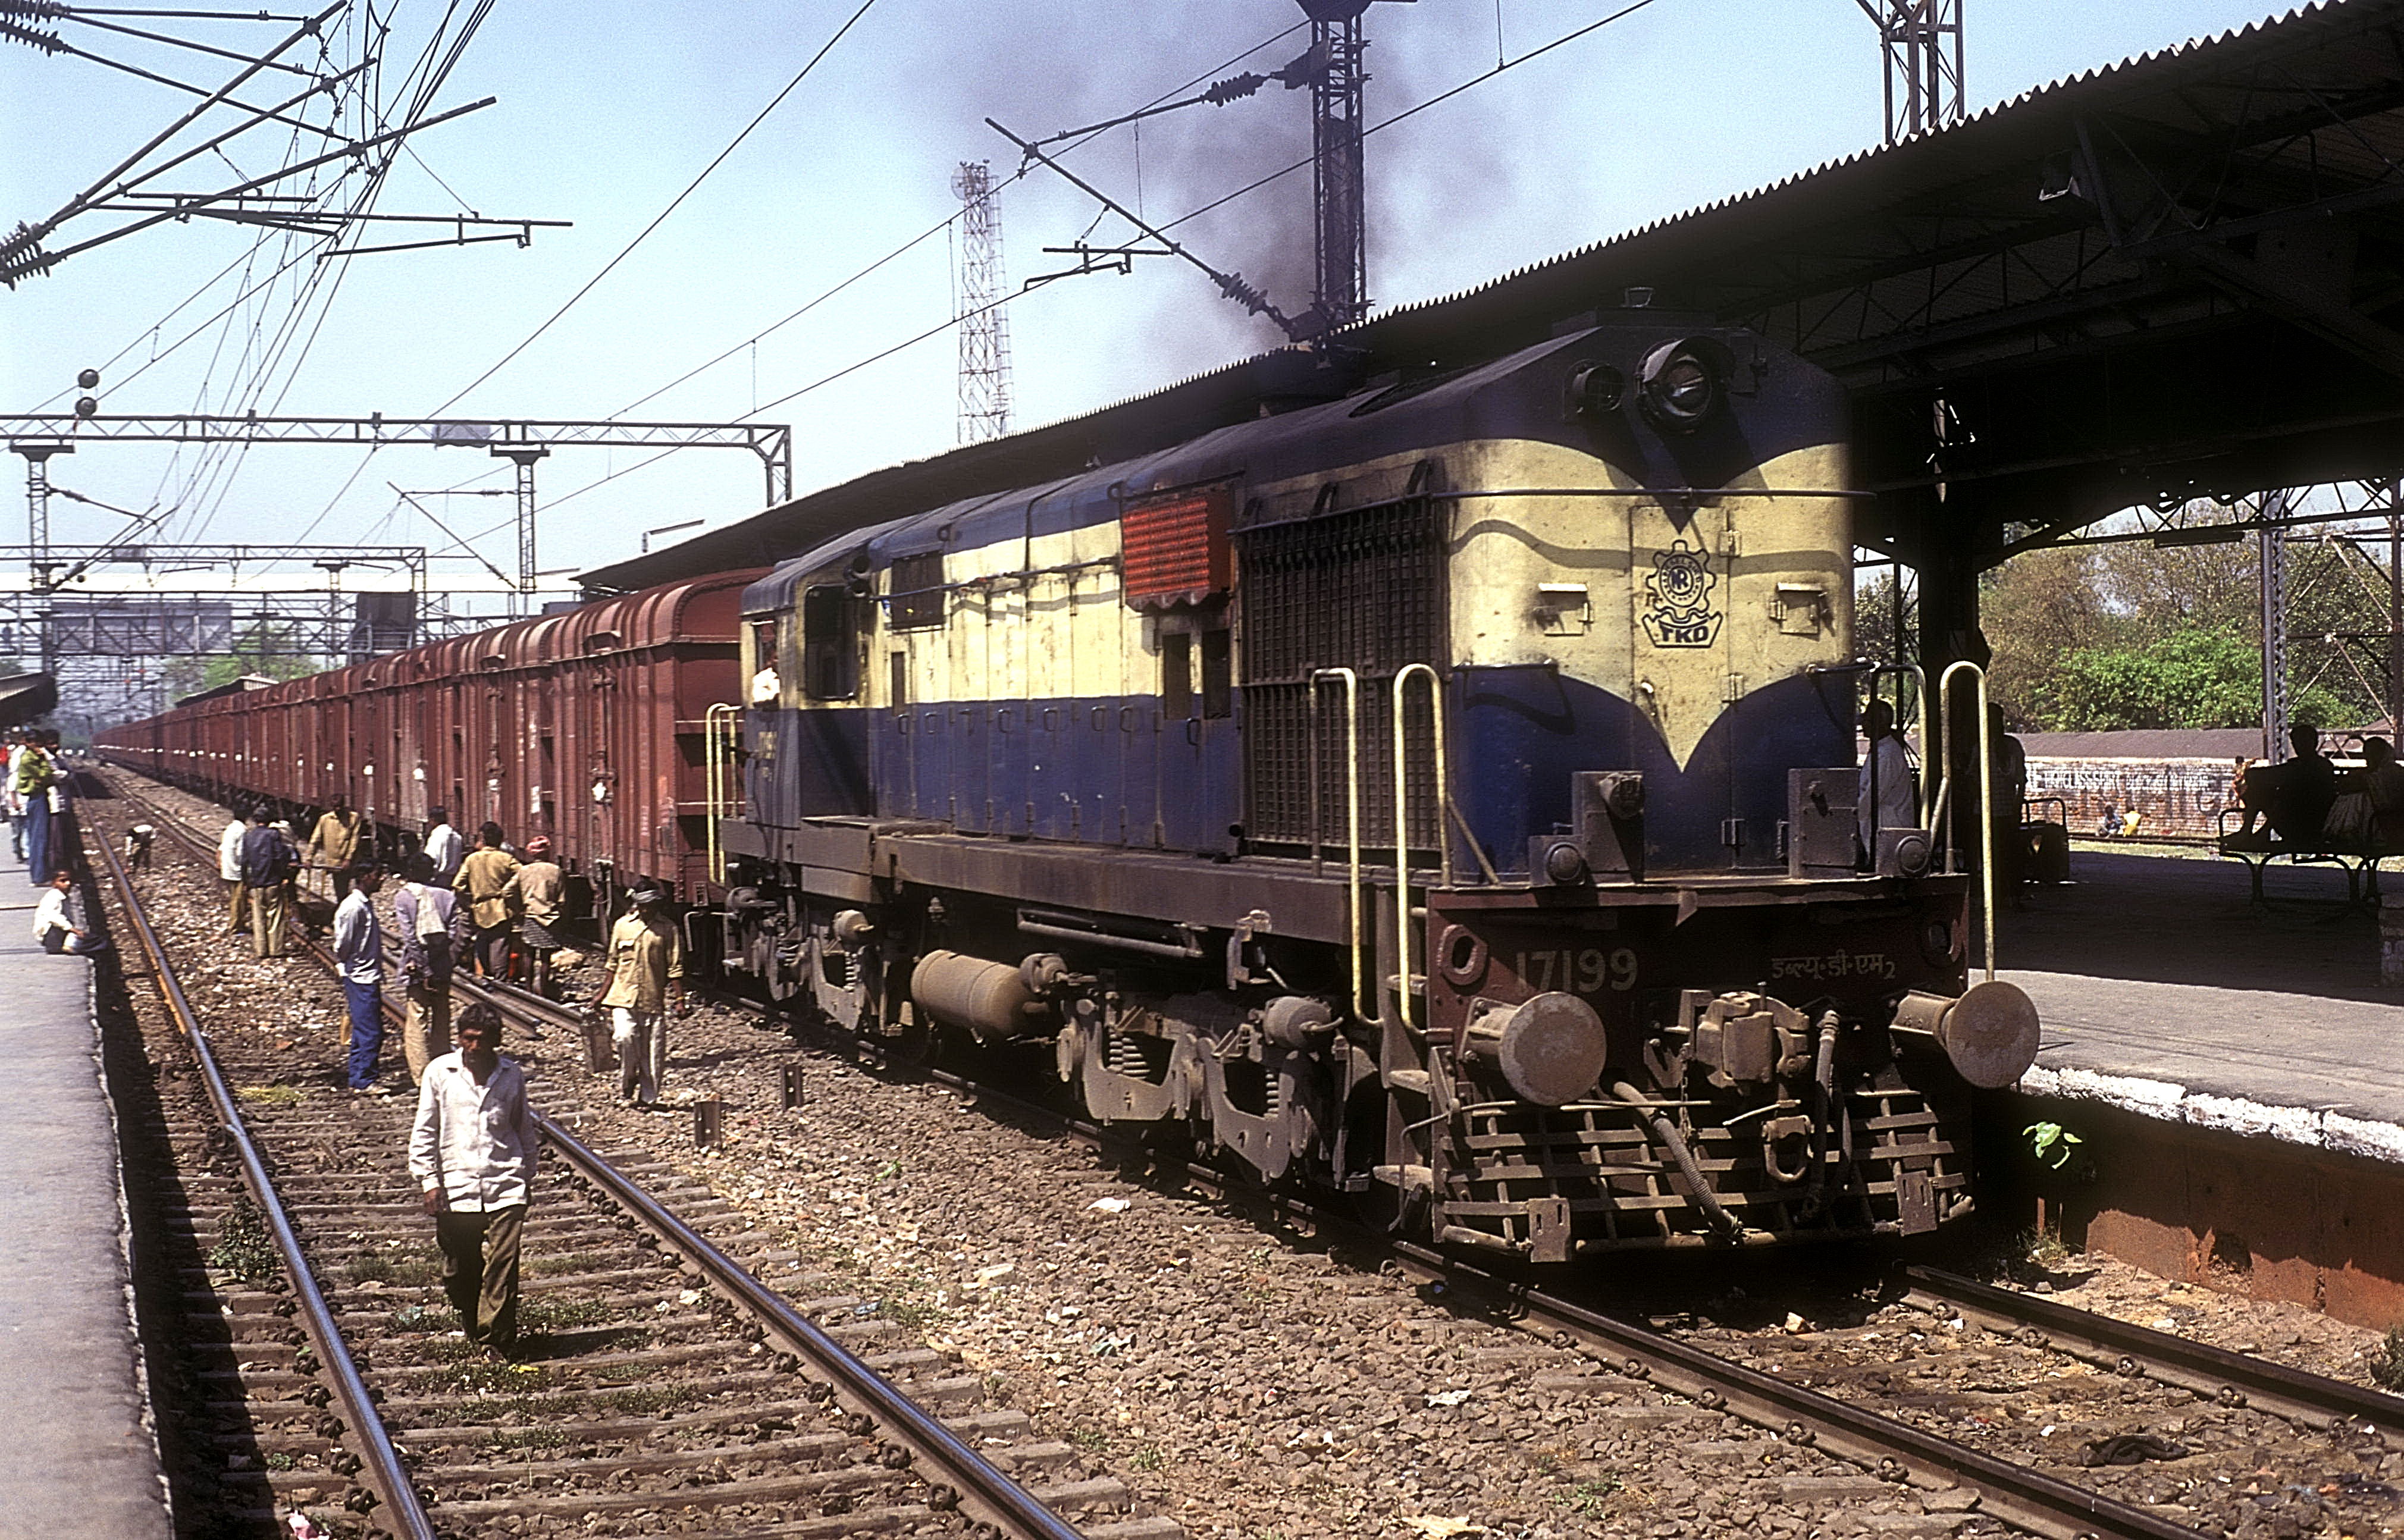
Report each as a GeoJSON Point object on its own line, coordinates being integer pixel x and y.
{"type": "Point", "coordinates": [586, 726]}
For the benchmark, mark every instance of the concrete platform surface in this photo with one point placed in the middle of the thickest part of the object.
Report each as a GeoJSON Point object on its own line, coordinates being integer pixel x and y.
{"type": "Point", "coordinates": [2164, 993]}
{"type": "Point", "coordinates": [79, 1456]}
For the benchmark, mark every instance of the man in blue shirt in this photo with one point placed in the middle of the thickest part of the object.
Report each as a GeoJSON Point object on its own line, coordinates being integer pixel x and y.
{"type": "Point", "coordinates": [359, 952]}
{"type": "Point", "coordinates": [268, 862]}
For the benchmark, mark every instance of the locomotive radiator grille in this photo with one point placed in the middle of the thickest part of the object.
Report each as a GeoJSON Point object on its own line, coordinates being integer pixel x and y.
{"type": "Point", "coordinates": [1620, 1190]}
{"type": "Point", "coordinates": [1362, 589]}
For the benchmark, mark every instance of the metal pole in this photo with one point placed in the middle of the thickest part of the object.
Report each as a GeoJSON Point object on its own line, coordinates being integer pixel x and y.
{"type": "Point", "coordinates": [523, 456]}
{"type": "Point", "coordinates": [2272, 542]}
{"type": "Point", "coordinates": [2395, 614]}
{"type": "Point", "coordinates": [37, 520]}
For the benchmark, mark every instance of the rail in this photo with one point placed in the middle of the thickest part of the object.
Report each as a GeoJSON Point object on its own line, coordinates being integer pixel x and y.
{"type": "Point", "coordinates": [380, 1462]}
{"type": "Point", "coordinates": [1941, 806]}
{"type": "Point", "coordinates": [2232, 1379]}
{"type": "Point", "coordinates": [720, 725]}
{"type": "Point", "coordinates": [1355, 934]}
{"type": "Point", "coordinates": [986, 1492]}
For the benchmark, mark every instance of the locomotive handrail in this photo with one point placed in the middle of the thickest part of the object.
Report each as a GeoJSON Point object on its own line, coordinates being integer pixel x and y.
{"type": "Point", "coordinates": [719, 722]}
{"type": "Point", "coordinates": [1352, 682]}
{"type": "Point", "coordinates": [1986, 790]}
{"type": "Point", "coordinates": [1402, 822]}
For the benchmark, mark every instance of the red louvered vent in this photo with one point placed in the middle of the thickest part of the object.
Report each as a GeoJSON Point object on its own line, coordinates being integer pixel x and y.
{"type": "Point", "coordinates": [1174, 549]}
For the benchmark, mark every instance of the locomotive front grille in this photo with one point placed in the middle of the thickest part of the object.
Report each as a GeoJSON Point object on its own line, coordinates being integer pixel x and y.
{"type": "Point", "coordinates": [1362, 589]}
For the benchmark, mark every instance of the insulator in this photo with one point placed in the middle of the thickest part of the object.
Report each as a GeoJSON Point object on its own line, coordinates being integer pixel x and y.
{"type": "Point", "coordinates": [40, 11]}
{"type": "Point", "coordinates": [47, 42]}
{"type": "Point", "coordinates": [1235, 88]}
{"type": "Point", "coordinates": [1232, 285]}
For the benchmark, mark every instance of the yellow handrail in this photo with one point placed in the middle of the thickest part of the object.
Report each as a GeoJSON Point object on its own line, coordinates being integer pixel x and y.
{"type": "Point", "coordinates": [719, 725]}
{"type": "Point", "coordinates": [1352, 682]}
{"type": "Point", "coordinates": [1402, 822]}
{"type": "Point", "coordinates": [1986, 788]}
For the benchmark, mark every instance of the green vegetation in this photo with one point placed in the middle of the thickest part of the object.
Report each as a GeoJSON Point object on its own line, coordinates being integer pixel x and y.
{"type": "Point", "coordinates": [2097, 638]}
{"type": "Point", "coordinates": [1591, 1499]}
{"type": "Point", "coordinates": [2388, 1364]}
{"type": "Point", "coordinates": [270, 1096]}
{"type": "Point", "coordinates": [244, 1247]}
{"type": "Point", "coordinates": [1146, 1458]}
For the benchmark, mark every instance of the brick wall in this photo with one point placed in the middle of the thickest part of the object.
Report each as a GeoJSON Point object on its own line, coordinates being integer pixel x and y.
{"type": "Point", "coordinates": [2180, 799]}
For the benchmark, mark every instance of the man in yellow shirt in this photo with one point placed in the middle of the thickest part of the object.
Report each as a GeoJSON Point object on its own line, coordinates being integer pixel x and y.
{"type": "Point", "coordinates": [645, 961]}
{"type": "Point", "coordinates": [484, 882]}
{"type": "Point", "coordinates": [336, 842]}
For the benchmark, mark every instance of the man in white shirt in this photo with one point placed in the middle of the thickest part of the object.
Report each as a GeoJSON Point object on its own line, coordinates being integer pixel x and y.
{"type": "Point", "coordinates": [445, 846]}
{"type": "Point", "coordinates": [229, 869]}
{"type": "Point", "coordinates": [472, 1152]}
{"type": "Point", "coordinates": [1887, 799]}
{"type": "Point", "coordinates": [359, 956]}
{"type": "Point", "coordinates": [58, 920]}
{"type": "Point", "coordinates": [16, 804]}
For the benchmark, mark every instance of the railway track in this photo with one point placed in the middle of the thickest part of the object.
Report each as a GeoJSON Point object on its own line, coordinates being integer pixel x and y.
{"type": "Point", "coordinates": [1905, 1451]}
{"type": "Point", "coordinates": [660, 1384]}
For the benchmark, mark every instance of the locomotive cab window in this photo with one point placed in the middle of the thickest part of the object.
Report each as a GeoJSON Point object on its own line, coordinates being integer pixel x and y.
{"type": "Point", "coordinates": [1218, 676]}
{"type": "Point", "coordinates": [829, 650]}
{"type": "Point", "coordinates": [1176, 675]}
{"type": "Point", "coordinates": [766, 679]}
{"type": "Point", "coordinates": [916, 591]}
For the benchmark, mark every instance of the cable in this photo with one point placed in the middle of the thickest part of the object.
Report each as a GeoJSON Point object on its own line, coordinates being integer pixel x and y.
{"type": "Point", "coordinates": [935, 330]}
{"type": "Point", "coordinates": [674, 205]}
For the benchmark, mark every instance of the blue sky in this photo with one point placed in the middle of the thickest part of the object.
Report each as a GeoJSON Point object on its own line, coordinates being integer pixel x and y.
{"type": "Point", "coordinates": [608, 109]}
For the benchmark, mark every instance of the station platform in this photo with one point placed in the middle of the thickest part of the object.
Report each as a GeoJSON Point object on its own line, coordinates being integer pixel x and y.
{"type": "Point", "coordinates": [2164, 993]}
{"type": "Point", "coordinates": [2235, 1074]}
{"type": "Point", "coordinates": [78, 1454]}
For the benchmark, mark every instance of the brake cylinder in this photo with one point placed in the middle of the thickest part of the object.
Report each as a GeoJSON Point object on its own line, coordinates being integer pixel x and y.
{"type": "Point", "coordinates": [989, 998]}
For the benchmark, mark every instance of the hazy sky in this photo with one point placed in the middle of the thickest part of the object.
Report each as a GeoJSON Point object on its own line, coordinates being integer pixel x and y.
{"type": "Point", "coordinates": [608, 109]}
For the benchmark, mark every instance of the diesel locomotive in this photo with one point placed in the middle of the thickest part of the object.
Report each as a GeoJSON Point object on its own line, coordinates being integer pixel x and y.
{"type": "Point", "coordinates": [1446, 796]}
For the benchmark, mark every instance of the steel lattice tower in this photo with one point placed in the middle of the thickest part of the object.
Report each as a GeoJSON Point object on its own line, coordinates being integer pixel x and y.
{"type": "Point", "coordinates": [1336, 123]}
{"type": "Point", "coordinates": [1922, 43]}
{"type": "Point", "coordinates": [984, 330]}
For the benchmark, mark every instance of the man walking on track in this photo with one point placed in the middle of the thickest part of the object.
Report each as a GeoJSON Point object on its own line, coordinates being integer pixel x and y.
{"type": "Point", "coordinates": [230, 868]}
{"type": "Point", "coordinates": [336, 840]}
{"type": "Point", "coordinates": [423, 912]}
{"type": "Point", "coordinates": [472, 1152]}
{"type": "Point", "coordinates": [644, 957]}
{"type": "Point", "coordinates": [266, 859]}
{"type": "Point", "coordinates": [537, 887]}
{"type": "Point", "coordinates": [444, 847]}
{"type": "Point", "coordinates": [359, 952]}
{"type": "Point", "coordinates": [483, 881]}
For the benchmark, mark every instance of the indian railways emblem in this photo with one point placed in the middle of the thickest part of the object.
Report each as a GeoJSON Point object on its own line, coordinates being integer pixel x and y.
{"type": "Point", "coordinates": [1682, 613]}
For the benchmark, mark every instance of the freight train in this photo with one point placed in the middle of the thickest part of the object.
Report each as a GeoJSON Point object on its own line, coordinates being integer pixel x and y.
{"type": "Point", "coordinates": [1444, 795]}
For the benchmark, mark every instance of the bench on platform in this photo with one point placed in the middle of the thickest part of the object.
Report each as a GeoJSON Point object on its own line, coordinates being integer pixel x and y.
{"type": "Point", "coordinates": [2357, 858]}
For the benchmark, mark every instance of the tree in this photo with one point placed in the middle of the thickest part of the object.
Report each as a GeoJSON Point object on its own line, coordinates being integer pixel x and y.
{"type": "Point", "coordinates": [266, 651]}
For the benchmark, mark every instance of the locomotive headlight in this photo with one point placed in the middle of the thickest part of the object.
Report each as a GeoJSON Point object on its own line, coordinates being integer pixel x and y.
{"type": "Point", "coordinates": [1684, 383]}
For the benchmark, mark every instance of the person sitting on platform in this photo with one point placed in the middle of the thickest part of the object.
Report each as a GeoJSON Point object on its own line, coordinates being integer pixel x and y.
{"type": "Point", "coordinates": [2292, 798]}
{"type": "Point", "coordinates": [58, 920]}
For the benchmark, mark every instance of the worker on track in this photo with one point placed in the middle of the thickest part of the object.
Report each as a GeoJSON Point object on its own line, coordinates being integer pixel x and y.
{"type": "Point", "coordinates": [471, 1151]}
{"type": "Point", "coordinates": [484, 882]}
{"type": "Point", "coordinates": [445, 846]}
{"type": "Point", "coordinates": [645, 961]}
{"type": "Point", "coordinates": [536, 886]}
{"type": "Point", "coordinates": [268, 862]}
{"type": "Point", "coordinates": [335, 842]}
{"type": "Point", "coordinates": [229, 869]}
{"type": "Point", "coordinates": [425, 914]}
{"type": "Point", "coordinates": [359, 954]}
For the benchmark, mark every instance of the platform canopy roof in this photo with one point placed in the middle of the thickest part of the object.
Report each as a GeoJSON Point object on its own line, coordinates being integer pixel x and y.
{"type": "Point", "coordinates": [2179, 275]}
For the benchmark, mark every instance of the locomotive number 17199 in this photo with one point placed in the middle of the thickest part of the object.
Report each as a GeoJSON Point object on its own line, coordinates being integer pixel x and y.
{"type": "Point", "coordinates": [1584, 972]}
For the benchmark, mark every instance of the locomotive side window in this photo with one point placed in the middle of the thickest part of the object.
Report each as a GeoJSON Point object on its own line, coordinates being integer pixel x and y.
{"type": "Point", "coordinates": [916, 592]}
{"type": "Point", "coordinates": [830, 652]}
{"type": "Point", "coordinates": [1176, 675]}
{"type": "Point", "coordinates": [1218, 676]}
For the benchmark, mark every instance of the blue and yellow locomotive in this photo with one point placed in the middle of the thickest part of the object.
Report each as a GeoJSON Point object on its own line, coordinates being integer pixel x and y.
{"type": "Point", "coordinates": [1444, 794]}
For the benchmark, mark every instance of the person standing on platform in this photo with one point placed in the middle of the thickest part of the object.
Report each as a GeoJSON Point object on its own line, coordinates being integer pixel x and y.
{"type": "Point", "coordinates": [1886, 799]}
{"type": "Point", "coordinates": [336, 842]}
{"type": "Point", "coordinates": [8, 797]}
{"type": "Point", "coordinates": [425, 911]}
{"type": "Point", "coordinates": [266, 859]}
{"type": "Point", "coordinates": [483, 881]}
{"type": "Point", "coordinates": [472, 1154]}
{"type": "Point", "coordinates": [537, 886]}
{"type": "Point", "coordinates": [444, 847]}
{"type": "Point", "coordinates": [644, 960]}
{"type": "Point", "coordinates": [31, 781]}
{"type": "Point", "coordinates": [229, 869]}
{"type": "Point", "coordinates": [63, 844]}
{"type": "Point", "coordinates": [58, 920]}
{"type": "Point", "coordinates": [358, 954]}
